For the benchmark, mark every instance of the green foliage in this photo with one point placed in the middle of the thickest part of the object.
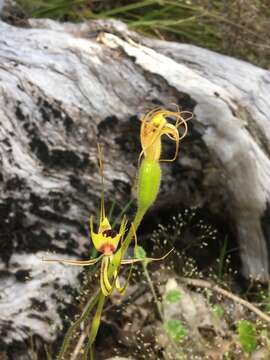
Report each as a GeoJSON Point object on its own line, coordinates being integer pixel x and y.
{"type": "Point", "coordinates": [56, 9]}
{"type": "Point", "coordinates": [180, 356]}
{"type": "Point", "coordinates": [83, 317]}
{"type": "Point", "coordinates": [239, 28]}
{"type": "Point", "coordinates": [222, 257]}
{"type": "Point", "coordinates": [247, 335]}
{"type": "Point", "coordinates": [173, 296]}
{"type": "Point", "coordinates": [218, 311]}
{"type": "Point", "coordinates": [139, 252]}
{"type": "Point", "coordinates": [176, 330]}
{"type": "Point", "coordinates": [266, 338]}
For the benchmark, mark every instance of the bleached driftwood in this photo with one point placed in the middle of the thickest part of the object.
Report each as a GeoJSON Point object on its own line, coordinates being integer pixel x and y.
{"type": "Point", "coordinates": [62, 86]}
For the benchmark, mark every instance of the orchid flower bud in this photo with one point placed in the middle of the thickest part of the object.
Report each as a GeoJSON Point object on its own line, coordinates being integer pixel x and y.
{"type": "Point", "coordinates": [148, 183]}
{"type": "Point", "coordinates": [154, 126]}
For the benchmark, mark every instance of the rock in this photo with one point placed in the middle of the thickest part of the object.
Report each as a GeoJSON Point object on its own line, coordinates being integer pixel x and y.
{"type": "Point", "coordinates": [2, 3]}
{"type": "Point", "coordinates": [196, 317]}
{"type": "Point", "coordinates": [65, 86]}
{"type": "Point", "coordinates": [7, 8]}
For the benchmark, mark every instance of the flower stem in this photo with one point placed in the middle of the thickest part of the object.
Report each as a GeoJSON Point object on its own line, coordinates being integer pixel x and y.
{"type": "Point", "coordinates": [153, 291]}
{"type": "Point", "coordinates": [88, 308]}
{"type": "Point", "coordinates": [94, 327]}
{"type": "Point", "coordinates": [136, 222]}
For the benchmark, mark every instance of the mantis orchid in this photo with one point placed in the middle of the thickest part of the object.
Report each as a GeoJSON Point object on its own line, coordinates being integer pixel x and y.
{"type": "Point", "coordinates": [111, 244]}
{"type": "Point", "coordinates": [106, 242]}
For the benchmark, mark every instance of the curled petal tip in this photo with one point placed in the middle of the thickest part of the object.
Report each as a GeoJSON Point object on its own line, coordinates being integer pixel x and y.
{"type": "Point", "coordinates": [154, 125]}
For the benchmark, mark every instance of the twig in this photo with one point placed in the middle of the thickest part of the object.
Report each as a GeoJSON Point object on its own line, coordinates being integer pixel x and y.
{"type": "Point", "coordinates": [228, 294]}
{"type": "Point", "coordinates": [79, 344]}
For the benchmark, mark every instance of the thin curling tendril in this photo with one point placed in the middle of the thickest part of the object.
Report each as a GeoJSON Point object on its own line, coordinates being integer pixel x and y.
{"type": "Point", "coordinates": [154, 125]}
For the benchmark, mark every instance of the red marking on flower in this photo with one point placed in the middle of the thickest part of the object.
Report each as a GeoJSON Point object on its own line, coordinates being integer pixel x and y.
{"type": "Point", "coordinates": [107, 249]}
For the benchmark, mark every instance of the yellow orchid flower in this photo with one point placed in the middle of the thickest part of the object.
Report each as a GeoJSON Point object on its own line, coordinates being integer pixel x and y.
{"type": "Point", "coordinates": [154, 125]}
{"type": "Point", "coordinates": [106, 241]}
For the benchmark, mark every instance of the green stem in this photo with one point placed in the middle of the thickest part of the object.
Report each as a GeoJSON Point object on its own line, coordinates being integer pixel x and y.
{"type": "Point", "coordinates": [96, 319]}
{"type": "Point", "coordinates": [94, 327]}
{"type": "Point", "coordinates": [101, 298]}
{"type": "Point", "coordinates": [91, 353]}
{"type": "Point", "coordinates": [136, 222]}
{"type": "Point", "coordinates": [88, 308]}
{"type": "Point", "coordinates": [48, 354]}
{"type": "Point", "coordinates": [153, 291]}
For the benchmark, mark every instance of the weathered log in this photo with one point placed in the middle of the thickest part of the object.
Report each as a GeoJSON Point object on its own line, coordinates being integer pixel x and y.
{"type": "Point", "coordinates": [63, 86]}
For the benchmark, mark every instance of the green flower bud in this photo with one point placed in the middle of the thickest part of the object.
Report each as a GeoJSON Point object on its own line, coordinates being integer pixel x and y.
{"type": "Point", "coordinates": [148, 184]}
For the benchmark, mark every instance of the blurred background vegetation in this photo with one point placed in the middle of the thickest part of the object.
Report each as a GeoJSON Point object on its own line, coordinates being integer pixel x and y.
{"type": "Point", "coordinates": [238, 28]}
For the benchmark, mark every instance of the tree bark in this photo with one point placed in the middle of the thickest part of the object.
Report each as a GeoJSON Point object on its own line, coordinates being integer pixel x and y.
{"type": "Point", "coordinates": [65, 86]}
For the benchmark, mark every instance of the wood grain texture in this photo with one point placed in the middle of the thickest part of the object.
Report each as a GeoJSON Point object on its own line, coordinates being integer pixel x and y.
{"type": "Point", "coordinates": [65, 86]}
